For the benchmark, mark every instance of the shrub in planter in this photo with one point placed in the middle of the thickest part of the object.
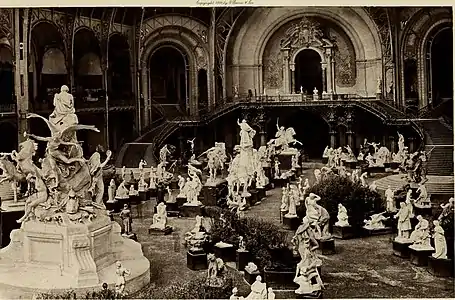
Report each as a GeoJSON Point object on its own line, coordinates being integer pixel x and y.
{"type": "Point", "coordinates": [70, 294]}
{"type": "Point", "coordinates": [359, 201]}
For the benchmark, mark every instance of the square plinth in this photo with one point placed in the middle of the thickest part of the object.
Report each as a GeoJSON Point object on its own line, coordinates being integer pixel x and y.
{"type": "Point", "coordinates": [291, 222]}
{"type": "Point", "coordinates": [191, 211]}
{"type": "Point", "coordinates": [440, 267]}
{"type": "Point", "coordinates": [280, 182]}
{"type": "Point", "coordinates": [280, 278]}
{"type": "Point", "coordinates": [261, 193]}
{"type": "Point", "coordinates": [155, 231]}
{"type": "Point", "coordinates": [160, 193]}
{"type": "Point", "coordinates": [180, 201]}
{"type": "Point", "coordinates": [285, 161]}
{"type": "Point", "coordinates": [313, 295]}
{"type": "Point", "coordinates": [112, 205]}
{"type": "Point", "coordinates": [327, 247]}
{"type": "Point", "coordinates": [196, 260]}
{"type": "Point", "coordinates": [379, 231]}
{"type": "Point", "coordinates": [152, 193]}
{"type": "Point", "coordinates": [143, 196]}
{"type": "Point", "coordinates": [401, 249]}
{"type": "Point", "coordinates": [343, 232]}
{"type": "Point", "coordinates": [209, 193]}
{"type": "Point", "coordinates": [250, 277]}
{"type": "Point", "coordinates": [419, 257]}
{"type": "Point", "coordinates": [282, 213]}
{"type": "Point", "coordinates": [136, 199]}
{"type": "Point", "coordinates": [254, 197]}
{"type": "Point", "coordinates": [423, 211]}
{"type": "Point", "coordinates": [242, 259]}
{"type": "Point", "coordinates": [224, 251]}
{"type": "Point", "coordinates": [172, 206]}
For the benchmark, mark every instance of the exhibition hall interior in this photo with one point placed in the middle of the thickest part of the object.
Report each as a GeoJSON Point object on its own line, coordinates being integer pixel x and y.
{"type": "Point", "coordinates": [226, 152]}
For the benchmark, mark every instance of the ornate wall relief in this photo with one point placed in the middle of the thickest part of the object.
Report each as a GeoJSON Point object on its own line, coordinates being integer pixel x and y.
{"type": "Point", "coordinates": [273, 62]}
{"type": "Point", "coordinates": [344, 56]}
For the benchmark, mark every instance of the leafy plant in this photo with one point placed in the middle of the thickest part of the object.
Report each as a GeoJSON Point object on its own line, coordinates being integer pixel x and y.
{"type": "Point", "coordinates": [359, 201]}
{"type": "Point", "coordinates": [70, 294]}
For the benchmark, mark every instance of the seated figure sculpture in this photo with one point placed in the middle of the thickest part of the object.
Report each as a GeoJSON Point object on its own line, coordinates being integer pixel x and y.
{"type": "Point", "coordinates": [160, 218]}
{"type": "Point", "coordinates": [197, 237]}
{"type": "Point", "coordinates": [258, 289]}
{"type": "Point", "coordinates": [375, 222]}
{"type": "Point", "coordinates": [342, 216]}
{"type": "Point", "coordinates": [420, 237]}
{"type": "Point", "coordinates": [318, 217]}
{"type": "Point", "coordinates": [122, 192]}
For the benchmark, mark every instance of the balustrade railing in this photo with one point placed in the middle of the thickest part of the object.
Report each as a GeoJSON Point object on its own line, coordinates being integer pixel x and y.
{"type": "Point", "coordinates": [8, 108]}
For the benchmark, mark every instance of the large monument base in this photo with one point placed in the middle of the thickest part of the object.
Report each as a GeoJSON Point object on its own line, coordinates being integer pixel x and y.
{"type": "Point", "coordinates": [62, 255]}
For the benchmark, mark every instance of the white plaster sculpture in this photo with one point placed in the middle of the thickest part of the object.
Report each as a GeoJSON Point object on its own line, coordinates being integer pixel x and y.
{"type": "Point", "coordinates": [440, 243]}
{"type": "Point", "coordinates": [193, 186]}
{"type": "Point", "coordinates": [164, 152]}
{"type": "Point", "coordinates": [301, 89]}
{"type": "Point", "coordinates": [96, 171]}
{"type": "Point", "coordinates": [251, 267]}
{"type": "Point", "coordinates": [216, 159]}
{"type": "Point", "coordinates": [270, 294]}
{"type": "Point", "coordinates": [191, 142]}
{"type": "Point", "coordinates": [363, 180]}
{"type": "Point", "coordinates": [373, 187]}
{"type": "Point", "coordinates": [160, 218]}
{"type": "Point", "coordinates": [404, 223]}
{"type": "Point", "coordinates": [181, 184]}
{"type": "Point", "coordinates": [241, 244]}
{"type": "Point", "coordinates": [318, 217]}
{"type": "Point", "coordinates": [121, 273]}
{"type": "Point", "coordinates": [390, 199]}
{"type": "Point", "coordinates": [234, 295]}
{"type": "Point", "coordinates": [423, 199]}
{"type": "Point", "coordinates": [258, 289]}
{"type": "Point", "coordinates": [295, 162]}
{"type": "Point", "coordinates": [283, 138]}
{"type": "Point", "coordinates": [375, 222]}
{"type": "Point", "coordinates": [142, 164]}
{"type": "Point", "coordinates": [342, 216]}
{"type": "Point", "coordinates": [122, 192]}
{"type": "Point", "coordinates": [409, 202]}
{"type": "Point", "coordinates": [111, 191]}
{"type": "Point", "coordinates": [236, 91]}
{"type": "Point", "coordinates": [169, 194]}
{"type": "Point", "coordinates": [142, 185]}
{"type": "Point", "coordinates": [325, 154]}
{"type": "Point", "coordinates": [315, 93]}
{"type": "Point", "coordinates": [132, 192]}
{"type": "Point", "coordinates": [284, 199]}
{"type": "Point", "coordinates": [317, 175]}
{"type": "Point", "coordinates": [305, 188]}
{"type": "Point", "coordinates": [447, 209]}
{"type": "Point", "coordinates": [276, 168]}
{"type": "Point", "coordinates": [370, 160]}
{"type": "Point", "coordinates": [420, 237]}
{"type": "Point", "coordinates": [125, 215]}
{"type": "Point", "coordinates": [292, 199]}
{"type": "Point", "coordinates": [153, 178]}
{"type": "Point", "coordinates": [123, 173]}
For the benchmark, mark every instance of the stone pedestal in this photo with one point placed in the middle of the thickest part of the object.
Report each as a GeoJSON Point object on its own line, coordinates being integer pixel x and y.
{"type": "Point", "coordinates": [8, 223]}
{"type": "Point", "coordinates": [76, 256]}
{"type": "Point", "coordinates": [423, 211]}
{"type": "Point", "coordinates": [152, 193]}
{"type": "Point", "coordinates": [419, 257]}
{"type": "Point", "coordinates": [401, 249]}
{"type": "Point", "coordinates": [143, 196]}
{"type": "Point", "coordinates": [280, 182]}
{"type": "Point", "coordinates": [209, 193]}
{"type": "Point", "coordinates": [254, 197]}
{"type": "Point", "coordinates": [196, 260]}
{"type": "Point", "coordinates": [160, 194]}
{"type": "Point", "coordinates": [280, 279]}
{"type": "Point", "coordinates": [282, 213]}
{"type": "Point", "coordinates": [375, 170]}
{"type": "Point", "coordinates": [379, 231]}
{"type": "Point", "coordinates": [180, 201]}
{"type": "Point", "coordinates": [191, 210]}
{"type": "Point", "coordinates": [261, 193]}
{"type": "Point", "coordinates": [251, 277]}
{"type": "Point", "coordinates": [441, 267]}
{"type": "Point", "coordinates": [327, 247]}
{"type": "Point", "coordinates": [172, 206]}
{"type": "Point", "coordinates": [343, 232]}
{"type": "Point", "coordinates": [285, 161]}
{"type": "Point", "coordinates": [136, 199]}
{"type": "Point", "coordinates": [291, 222]}
{"type": "Point", "coordinates": [242, 259]}
{"type": "Point", "coordinates": [224, 251]}
{"type": "Point", "coordinates": [155, 231]}
{"type": "Point", "coordinates": [118, 204]}
{"type": "Point", "coordinates": [313, 295]}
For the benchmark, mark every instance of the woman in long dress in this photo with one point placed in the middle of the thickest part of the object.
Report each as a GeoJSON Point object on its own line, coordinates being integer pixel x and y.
{"type": "Point", "coordinates": [246, 134]}
{"type": "Point", "coordinates": [440, 243]}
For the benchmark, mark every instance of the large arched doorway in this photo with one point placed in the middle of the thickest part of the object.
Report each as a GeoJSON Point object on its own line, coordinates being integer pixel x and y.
{"type": "Point", "coordinates": [308, 71]}
{"type": "Point", "coordinates": [119, 72]}
{"type": "Point", "coordinates": [440, 48]}
{"type": "Point", "coordinates": [169, 78]}
{"type": "Point", "coordinates": [203, 91]}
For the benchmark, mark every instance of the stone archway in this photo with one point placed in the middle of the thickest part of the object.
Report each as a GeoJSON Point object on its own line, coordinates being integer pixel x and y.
{"type": "Point", "coordinates": [307, 72]}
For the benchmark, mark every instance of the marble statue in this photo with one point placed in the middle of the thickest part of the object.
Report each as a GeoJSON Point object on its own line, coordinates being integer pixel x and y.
{"type": "Point", "coordinates": [181, 184]}
{"type": "Point", "coordinates": [234, 295]}
{"type": "Point", "coordinates": [169, 194]}
{"type": "Point", "coordinates": [123, 173]}
{"type": "Point", "coordinates": [400, 156]}
{"type": "Point", "coordinates": [122, 192]}
{"type": "Point", "coordinates": [246, 134]}
{"type": "Point", "coordinates": [390, 199]}
{"type": "Point", "coordinates": [382, 155]}
{"type": "Point", "coordinates": [258, 289]}
{"type": "Point", "coordinates": [318, 217]}
{"type": "Point", "coordinates": [420, 237]}
{"type": "Point", "coordinates": [216, 159]}
{"type": "Point", "coordinates": [164, 152]}
{"type": "Point", "coordinates": [342, 216]}
{"type": "Point", "coordinates": [404, 222]}
{"type": "Point", "coordinates": [121, 273]}
{"type": "Point", "coordinates": [305, 242]}
{"type": "Point", "coordinates": [251, 267]}
{"type": "Point", "coordinates": [447, 209]}
{"type": "Point", "coordinates": [409, 204]}
{"type": "Point", "coordinates": [160, 218]}
{"type": "Point", "coordinates": [283, 138]}
{"type": "Point", "coordinates": [276, 168]}
{"type": "Point", "coordinates": [132, 192]}
{"type": "Point", "coordinates": [305, 188]}
{"type": "Point", "coordinates": [127, 220]}
{"type": "Point", "coordinates": [363, 181]}
{"type": "Point", "coordinates": [153, 178]}
{"type": "Point", "coordinates": [270, 294]}
{"type": "Point", "coordinates": [292, 199]}
{"type": "Point", "coordinates": [142, 164]}
{"type": "Point", "coordinates": [370, 160]}
{"type": "Point", "coordinates": [215, 271]}
{"type": "Point", "coordinates": [191, 142]}
{"type": "Point", "coordinates": [142, 185]}
{"type": "Point", "coordinates": [375, 222]}
{"type": "Point", "coordinates": [373, 187]}
{"type": "Point", "coordinates": [65, 195]}
{"type": "Point", "coordinates": [440, 244]}
{"type": "Point", "coordinates": [423, 199]}
{"type": "Point", "coordinates": [284, 199]}
{"type": "Point", "coordinates": [325, 154]}
{"type": "Point", "coordinates": [111, 191]}
{"type": "Point", "coordinates": [295, 162]}
{"type": "Point", "coordinates": [193, 186]}
{"type": "Point", "coordinates": [315, 93]}
{"type": "Point", "coordinates": [241, 243]}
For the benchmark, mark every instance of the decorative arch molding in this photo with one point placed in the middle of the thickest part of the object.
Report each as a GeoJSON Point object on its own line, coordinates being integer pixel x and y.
{"type": "Point", "coordinates": [6, 24]}
{"type": "Point", "coordinates": [414, 39]}
{"type": "Point", "coordinates": [355, 23]}
{"type": "Point", "coordinates": [185, 41]}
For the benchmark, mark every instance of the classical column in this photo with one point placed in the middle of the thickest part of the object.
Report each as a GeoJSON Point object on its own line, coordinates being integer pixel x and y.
{"type": "Point", "coordinates": [292, 71]}
{"type": "Point", "coordinates": [324, 78]}
{"type": "Point", "coordinates": [286, 72]}
{"type": "Point", "coordinates": [411, 144]}
{"type": "Point", "coordinates": [21, 70]}
{"type": "Point", "coordinates": [351, 137]}
{"type": "Point", "coordinates": [392, 143]}
{"type": "Point", "coordinates": [211, 82]}
{"type": "Point", "coordinates": [145, 96]}
{"type": "Point", "coordinates": [329, 71]}
{"type": "Point", "coordinates": [332, 133]}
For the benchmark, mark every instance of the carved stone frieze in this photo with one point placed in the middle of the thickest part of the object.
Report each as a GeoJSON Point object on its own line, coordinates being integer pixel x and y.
{"type": "Point", "coordinates": [305, 33]}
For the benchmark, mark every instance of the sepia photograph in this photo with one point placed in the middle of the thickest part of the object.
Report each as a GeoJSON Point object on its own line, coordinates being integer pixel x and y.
{"type": "Point", "coordinates": [226, 152]}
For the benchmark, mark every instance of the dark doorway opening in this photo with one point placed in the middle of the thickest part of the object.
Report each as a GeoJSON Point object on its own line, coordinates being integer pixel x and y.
{"type": "Point", "coordinates": [203, 98]}
{"type": "Point", "coordinates": [308, 71]}
{"type": "Point", "coordinates": [169, 77]}
{"type": "Point", "coordinates": [6, 76]}
{"type": "Point", "coordinates": [441, 74]}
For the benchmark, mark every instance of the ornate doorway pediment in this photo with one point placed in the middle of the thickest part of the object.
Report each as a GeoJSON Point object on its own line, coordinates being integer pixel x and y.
{"type": "Point", "coordinates": [305, 34]}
